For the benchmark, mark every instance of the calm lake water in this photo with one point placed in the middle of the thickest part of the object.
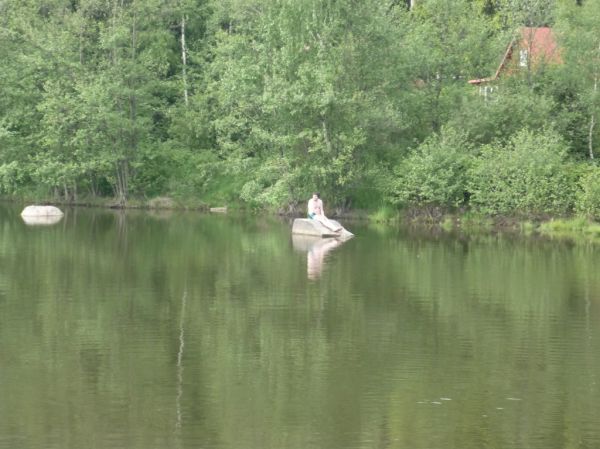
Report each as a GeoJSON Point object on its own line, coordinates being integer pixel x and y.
{"type": "Point", "coordinates": [139, 330]}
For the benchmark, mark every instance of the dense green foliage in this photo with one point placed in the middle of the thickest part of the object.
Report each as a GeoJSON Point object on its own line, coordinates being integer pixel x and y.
{"type": "Point", "coordinates": [261, 102]}
{"type": "Point", "coordinates": [436, 173]}
{"type": "Point", "coordinates": [588, 199]}
{"type": "Point", "coordinates": [528, 174]}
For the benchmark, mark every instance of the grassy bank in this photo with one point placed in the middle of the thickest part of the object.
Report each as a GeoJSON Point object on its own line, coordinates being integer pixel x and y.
{"type": "Point", "coordinates": [468, 222]}
{"type": "Point", "coordinates": [577, 226]}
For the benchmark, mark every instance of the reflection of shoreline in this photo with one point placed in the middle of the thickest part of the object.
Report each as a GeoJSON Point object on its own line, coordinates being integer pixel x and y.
{"type": "Point", "coordinates": [316, 249]}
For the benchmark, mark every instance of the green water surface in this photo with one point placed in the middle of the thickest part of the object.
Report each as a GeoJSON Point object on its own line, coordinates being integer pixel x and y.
{"type": "Point", "coordinates": [183, 330]}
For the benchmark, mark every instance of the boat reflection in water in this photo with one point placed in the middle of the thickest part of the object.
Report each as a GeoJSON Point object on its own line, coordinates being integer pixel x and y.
{"type": "Point", "coordinates": [316, 249]}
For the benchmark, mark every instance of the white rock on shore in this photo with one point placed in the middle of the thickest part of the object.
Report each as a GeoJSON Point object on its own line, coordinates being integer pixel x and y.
{"type": "Point", "coordinates": [41, 215]}
{"type": "Point", "coordinates": [41, 211]}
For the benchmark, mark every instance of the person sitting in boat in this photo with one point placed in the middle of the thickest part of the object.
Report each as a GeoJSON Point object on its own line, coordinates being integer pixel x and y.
{"type": "Point", "coordinates": [316, 212]}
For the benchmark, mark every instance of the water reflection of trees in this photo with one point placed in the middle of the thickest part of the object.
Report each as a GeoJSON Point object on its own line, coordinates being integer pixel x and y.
{"type": "Point", "coordinates": [342, 361]}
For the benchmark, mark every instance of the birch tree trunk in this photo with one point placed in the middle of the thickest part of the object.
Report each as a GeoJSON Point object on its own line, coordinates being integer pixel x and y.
{"type": "Point", "coordinates": [114, 29]}
{"type": "Point", "coordinates": [326, 137]}
{"type": "Point", "coordinates": [132, 150]}
{"type": "Point", "coordinates": [118, 188]}
{"type": "Point", "coordinates": [184, 61]}
{"type": "Point", "coordinates": [592, 122]}
{"type": "Point", "coordinates": [593, 111]}
{"type": "Point", "coordinates": [133, 82]}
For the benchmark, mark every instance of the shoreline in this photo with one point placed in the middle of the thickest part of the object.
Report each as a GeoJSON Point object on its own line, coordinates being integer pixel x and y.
{"type": "Point", "coordinates": [433, 218]}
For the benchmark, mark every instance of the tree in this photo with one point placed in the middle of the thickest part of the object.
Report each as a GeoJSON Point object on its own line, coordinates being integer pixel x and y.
{"type": "Point", "coordinates": [436, 172]}
{"type": "Point", "coordinates": [526, 175]}
{"type": "Point", "coordinates": [448, 41]}
{"type": "Point", "coordinates": [295, 93]}
{"type": "Point", "coordinates": [580, 27]}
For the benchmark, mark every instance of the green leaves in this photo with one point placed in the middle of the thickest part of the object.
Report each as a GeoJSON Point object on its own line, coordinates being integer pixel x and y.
{"type": "Point", "coordinates": [286, 97]}
{"type": "Point", "coordinates": [527, 175]}
{"type": "Point", "coordinates": [588, 197]}
{"type": "Point", "coordinates": [436, 172]}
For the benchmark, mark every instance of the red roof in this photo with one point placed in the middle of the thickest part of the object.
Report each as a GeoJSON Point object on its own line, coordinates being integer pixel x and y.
{"type": "Point", "coordinates": [535, 44]}
{"type": "Point", "coordinates": [540, 43]}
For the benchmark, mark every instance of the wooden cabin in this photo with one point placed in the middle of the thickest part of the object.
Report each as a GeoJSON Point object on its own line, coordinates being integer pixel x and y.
{"type": "Point", "coordinates": [533, 47]}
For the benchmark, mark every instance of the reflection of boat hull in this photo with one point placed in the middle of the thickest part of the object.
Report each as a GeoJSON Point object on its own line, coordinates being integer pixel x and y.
{"type": "Point", "coordinates": [306, 226]}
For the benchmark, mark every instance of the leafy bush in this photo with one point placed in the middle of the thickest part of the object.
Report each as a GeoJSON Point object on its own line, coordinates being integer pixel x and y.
{"type": "Point", "coordinates": [527, 175]}
{"type": "Point", "coordinates": [504, 114]}
{"type": "Point", "coordinates": [588, 198]}
{"type": "Point", "coordinates": [436, 172]}
{"type": "Point", "coordinates": [273, 185]}
{"type": "Point", "coordinates": [10, 177]}
{"type": "Point", "coordinates": [384, 214]}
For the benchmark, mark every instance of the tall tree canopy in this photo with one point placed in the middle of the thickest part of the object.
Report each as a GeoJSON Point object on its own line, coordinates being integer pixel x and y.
{"type": "Point", "coordinates": [263, 101]}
